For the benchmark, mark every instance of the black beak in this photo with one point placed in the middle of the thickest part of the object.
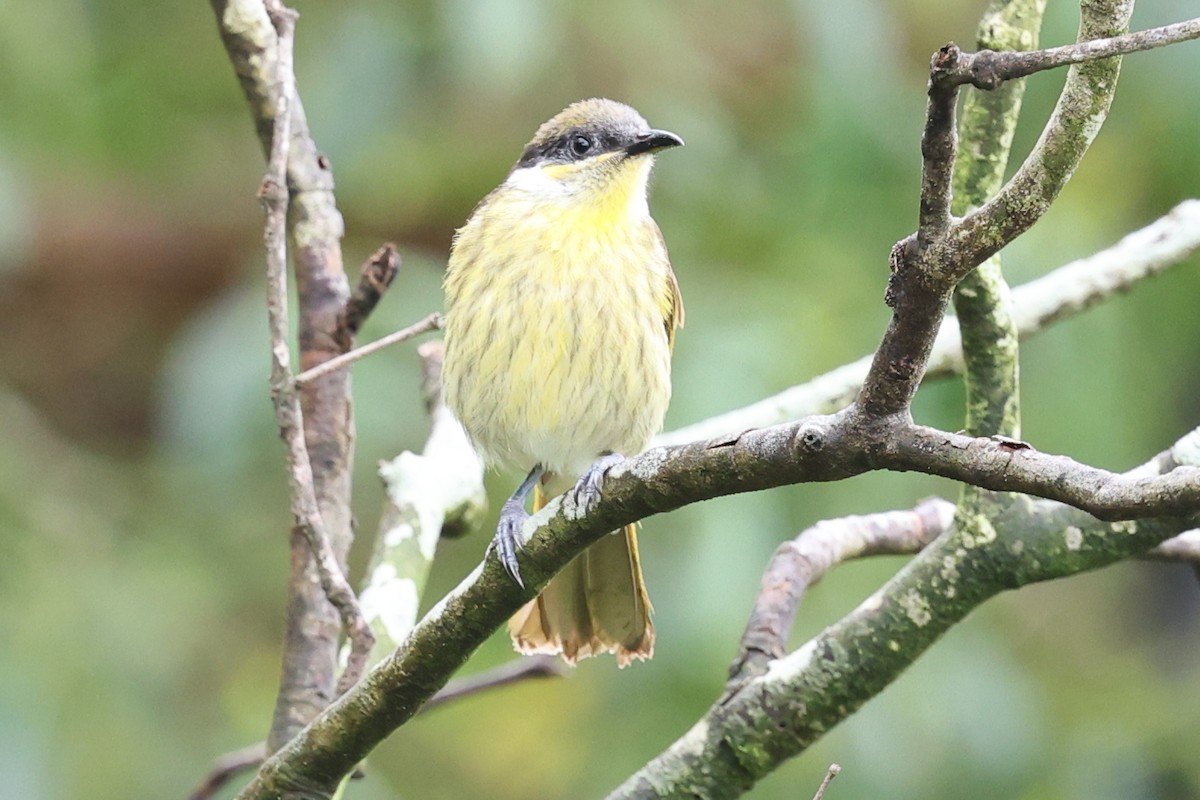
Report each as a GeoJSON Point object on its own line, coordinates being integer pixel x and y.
{"type": "Point", "coordinates": [653, 141]}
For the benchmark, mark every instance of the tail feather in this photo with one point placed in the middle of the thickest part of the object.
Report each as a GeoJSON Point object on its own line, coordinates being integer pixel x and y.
{"type": "Point", "coordinates": [597, 604]}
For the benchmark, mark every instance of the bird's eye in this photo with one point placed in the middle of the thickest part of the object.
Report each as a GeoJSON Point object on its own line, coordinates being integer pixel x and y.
{"type": "Point", "coordinates": [581, 145]}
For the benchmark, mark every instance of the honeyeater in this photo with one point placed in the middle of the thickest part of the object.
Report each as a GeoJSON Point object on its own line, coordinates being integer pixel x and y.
{"type": "Point", "coordinates": [561, 310]}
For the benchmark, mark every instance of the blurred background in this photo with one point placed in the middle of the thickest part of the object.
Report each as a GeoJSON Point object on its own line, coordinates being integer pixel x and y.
{"type": "Point", "coordinates": [143, 511]}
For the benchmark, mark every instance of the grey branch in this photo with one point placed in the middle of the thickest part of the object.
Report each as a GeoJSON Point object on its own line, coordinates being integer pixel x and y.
{"type": "Point", "coordinates": [833, 771]}
{"type": "Point", "coordinates": [939, 144]}
{"type": "Point", "coordinates": [226, 767]}
{"type": "Point", "coordinates": [1184, 547]}
{"type": "Point", "coordinates": [521, 669]}
{"type": "Point", "coordinates": [799, 563]}
{"type": "Point", "coordinates": [313, 625]}
{"type": "Point", "coordinates": [428, 323]}
{"type": "Point", "coordinates": [305, 510]}
{"type": "Point", "coordinates": [663, 479]}
{"type": "Point", "coordinates": [925, 270]}
{"type": "Point", "coordinates": [1060, 295]}
{"type": "Point", "coordinates": [1082, 107]}
{"type": "Point", "coordinates": [800, 696]}
{"type": "Point", "coordinates": [987, 69]}
{"type": "Point", "coordinates": [377, 275]}
{"type": "Point", "coordinates": [983, 300]}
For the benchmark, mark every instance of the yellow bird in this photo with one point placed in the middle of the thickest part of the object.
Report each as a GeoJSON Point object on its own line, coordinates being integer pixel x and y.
{"type": "Point", "coordinates": [561, 310]}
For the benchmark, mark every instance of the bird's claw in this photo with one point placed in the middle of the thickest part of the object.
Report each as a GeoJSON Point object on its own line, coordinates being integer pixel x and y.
{"type": "Point", "coordinates": [507, 540]}
{"type": "Point", "coordinates": [587, 489]}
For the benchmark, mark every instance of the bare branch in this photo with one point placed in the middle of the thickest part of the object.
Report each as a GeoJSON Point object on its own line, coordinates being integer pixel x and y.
{"type": "Point", "coordinates": [1081, 110]}
{"type": "Point", "coordinates": [378, 272]}
{"type": "Point", "coordinates": [799, 563]}
{"type": "Point", "coordinates": [313, 625]}
{"type": "Point", "coordinates": [982, 300]}
{"type": "Point", "coordinates": [924, 272]}
{"type": "Point", "coordinates": [834, 771]}
{"type": "Point", "coordinates": [305, 510]}
{"type": "Point", "coordinates": [538, 666]}
{"type": "Point", "coordinates": [226, 767]}
{"type": "Point", "coordinates": [939, 145]}
{"type": "Point", "coordinates": [1082, 284]}
{"type": "Point", "coordinates": [987, 69]}
{"type": "Point", "coordinates": [429, 323]}
{"type": "Point", "coordinates": [1060, 295]}
{"type": "Point", "coordinates": [802, 695]}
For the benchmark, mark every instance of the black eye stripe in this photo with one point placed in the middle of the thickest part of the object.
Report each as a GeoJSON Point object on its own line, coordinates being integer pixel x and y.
{"type": "Point", "coordinates": [563, 149]}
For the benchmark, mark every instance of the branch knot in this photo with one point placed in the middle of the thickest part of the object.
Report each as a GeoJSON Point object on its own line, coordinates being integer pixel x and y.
{"type": "Point", "coordinates": [810, 438]}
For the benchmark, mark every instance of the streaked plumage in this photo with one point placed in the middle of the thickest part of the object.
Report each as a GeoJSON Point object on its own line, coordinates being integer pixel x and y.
{"type": "Point", "coordinates": [561, 309]}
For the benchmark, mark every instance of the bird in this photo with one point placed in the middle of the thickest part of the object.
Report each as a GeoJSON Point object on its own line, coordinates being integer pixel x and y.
{"type": "Point", "coordinates": [561, 309]}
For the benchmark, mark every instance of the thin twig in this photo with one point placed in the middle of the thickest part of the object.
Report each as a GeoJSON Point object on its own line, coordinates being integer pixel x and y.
{"type": "Point", "coordinates": [226, 767]}
{"type": "Point", "coordinates": [378, 272]}
{"type": "Point", "coordinates": [800, 562]}
{"type": "Point", "coordinates": [305, 510]}
{"type": "Point", "coordinates": [429, 323]}
{"type": "Point", "coordinates": [834, 770]}
{"type": "Point", "coordinates": [539, 666]}
{"type": "Point", "coordinates": [939, 145]}
{"type": "Point", "coordinates": [987, 69]}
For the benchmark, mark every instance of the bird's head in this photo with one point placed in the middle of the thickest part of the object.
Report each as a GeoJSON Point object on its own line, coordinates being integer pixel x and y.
{"type": "Point", "coordinates": [597, 152]}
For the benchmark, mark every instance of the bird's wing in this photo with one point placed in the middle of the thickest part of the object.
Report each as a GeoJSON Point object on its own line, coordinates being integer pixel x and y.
{"type": "Point", "coordinates": [673, 301]}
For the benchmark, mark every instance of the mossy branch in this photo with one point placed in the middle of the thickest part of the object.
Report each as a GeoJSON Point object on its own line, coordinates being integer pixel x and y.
{"type": "Point", "coordinates": [801, 696]}
{"type": "Point", "coordinates": [982, 300]}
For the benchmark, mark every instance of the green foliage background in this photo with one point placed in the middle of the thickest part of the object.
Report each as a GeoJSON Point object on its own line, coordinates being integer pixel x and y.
{"type": "Point", "coordinates": [142, 497]}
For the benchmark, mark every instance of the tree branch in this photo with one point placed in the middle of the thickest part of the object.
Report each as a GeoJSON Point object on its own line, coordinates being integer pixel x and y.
{"type": "Point", "coordinates": [939, 144]}
{"type": "Point", "coordinates": [925, 271]}
{"type": "Point", "coordinates": [377, 275]}
{"type": "Point", "coordinates": [1184, 547]}
{"type": "Point", "coordinates": [801, 696]}
{"type": "Point", "coordinates": [428, 323]}
{"type": "Point", "coordinates": [226, 767]}
{"type": "Point", "coordinates": [814, 449]}
{"type": "Point", "coordinates": [833, 771]}
{"type": "Point", "coordinates": [801, 562]}
{"type": "Point", "coordinates": [982, 300]}
{"type": "Point", "coordinates": [988, 69]}
{"type": "Point", "coordinates": [1038, 304]}
{"type": "Point", "coordinates": [313, 624]}
{"type": "Point", "coordinates": [1081, 109]}
{"type": "Point", "coordinates": [520, 669]}
{"type": "Point", "coordinates": [305, 511]}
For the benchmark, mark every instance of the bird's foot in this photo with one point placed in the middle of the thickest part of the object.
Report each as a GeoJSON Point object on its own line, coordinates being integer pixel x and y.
{"type": "Point", "coordinates": [586, 493]}
{"type": "Point", "coordinates": [507, 540]}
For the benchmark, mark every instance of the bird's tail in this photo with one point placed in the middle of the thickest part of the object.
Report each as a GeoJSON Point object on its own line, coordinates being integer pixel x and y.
{"type": "Point", "coordinates": [597, 604]}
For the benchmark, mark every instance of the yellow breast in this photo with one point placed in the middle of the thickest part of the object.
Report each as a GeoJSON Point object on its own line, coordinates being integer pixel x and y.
{"type": "Point", "coordinates": [556, 335]}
